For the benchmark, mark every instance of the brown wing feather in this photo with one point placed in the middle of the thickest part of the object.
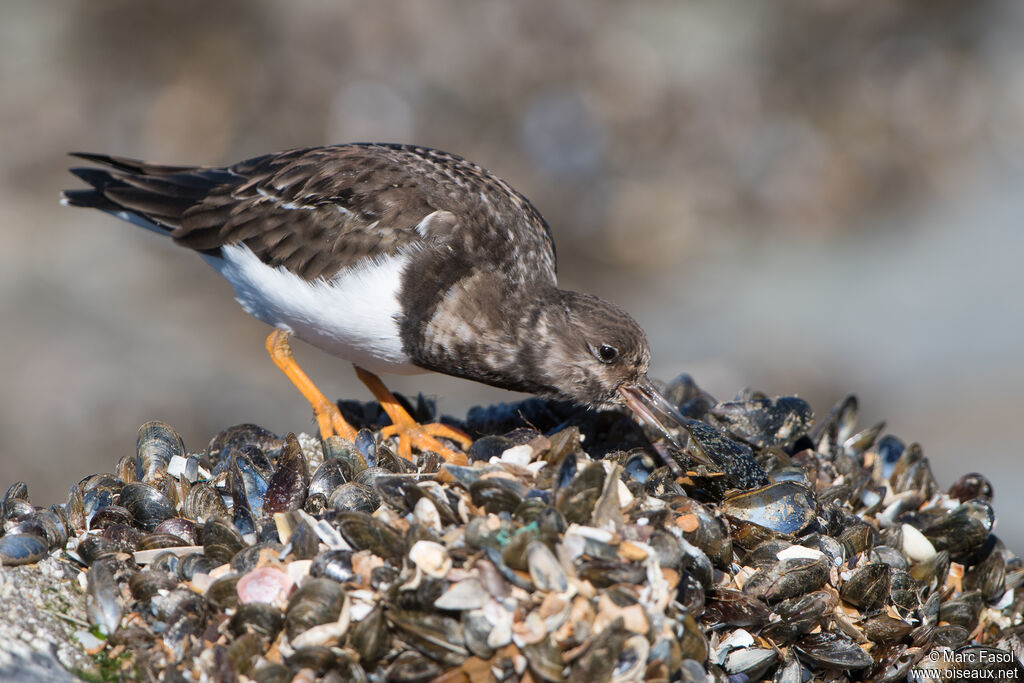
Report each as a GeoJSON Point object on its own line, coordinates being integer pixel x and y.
{"type": "Point", "coordinates": [316, 211]}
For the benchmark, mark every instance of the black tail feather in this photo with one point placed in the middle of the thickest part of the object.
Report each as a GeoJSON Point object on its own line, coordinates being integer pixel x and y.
{"type": "Point", "coordinates": [132, 165]}
{"type": "Point", "coordinates": [90, 199]}
{"type": "Point", "coordinates": [152, 195]}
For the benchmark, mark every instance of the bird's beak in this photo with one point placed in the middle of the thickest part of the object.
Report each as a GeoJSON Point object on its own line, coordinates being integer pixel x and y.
{"type": "Point", "coordinates": [648, 403]}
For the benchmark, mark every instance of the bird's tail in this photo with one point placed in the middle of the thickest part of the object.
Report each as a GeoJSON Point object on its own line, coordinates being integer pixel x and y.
{"type": "Point", "coordinates": [152, 196]}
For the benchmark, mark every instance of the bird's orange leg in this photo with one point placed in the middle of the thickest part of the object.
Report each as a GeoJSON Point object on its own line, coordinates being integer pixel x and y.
{"type": "Point", "coordinates": [411, 433]}
{"type": "Point", "coordinates": [328, 417]}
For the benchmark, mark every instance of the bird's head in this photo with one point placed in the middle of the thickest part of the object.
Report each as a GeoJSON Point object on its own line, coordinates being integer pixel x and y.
{"type": "Point", "coordinates": [598, 356]}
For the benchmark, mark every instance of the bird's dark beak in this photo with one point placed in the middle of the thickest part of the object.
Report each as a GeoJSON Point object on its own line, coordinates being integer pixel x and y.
{"type": "Point", "coordinates": [648, 403]}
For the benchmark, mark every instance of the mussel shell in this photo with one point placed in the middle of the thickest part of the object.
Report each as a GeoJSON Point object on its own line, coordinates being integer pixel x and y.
{"type": "Point", "coordinates": [221, 540]}
{"type": "Point", "coordinates": [894, 663]}
{"type": "Point", "coordinates": [237, 438]}
{"type": "Point", "coordinates": [882, 628]}
{"type": "Point", "coordinates": [913, 473]}
{"type": "Point", "coordinates": [364, 532]}
{"type": "Point", "coordinates": [785, 507]}
{"type": "Point", "coordinates": [963, 610]}
{"type": "Point", "coordinates": [370, 636]}
{"type": "Point", "coordinates": [888, 555]}
{"type": "Point", "coordinates": [970, 486]}
{"type": "Point", "coordinates": [45, 523]}
{"type": "Point", "coordinates": [667, 548]}
{"type": "Point", "coordinates": [93, 548]}
{"type": "Point", "coordinates": [19, 549]}
{"type": "Point", "coordinates": [988, 575]}
{"type": "Point", "coordinates": [497, 495]}
{"type": "Point", "coordinates": [751, 662]}
{"type": "Point", "coordinates": [734, 460]}
{"type": "Point", "coordinates": [837, 427]}
{"type": "Point", "coordinates": [165, 562]}
{"type": "Point", "coordinates": [353, 496]}
{"type": "Point", "coordinates": [246, 483]}
{"type": "Point", "coordinates": [148, 582]}
{"type": "Point", "coordinates": [330, 475]}
{"type": "Point", "coordinates": [335, 565]}
{"type": "Point", "coordinates": [799, 615]}
{"type": "Point", "coordinates": [857, 537]}
{"type": "Point", "coordinates": [487, 447]}
{"type": "Point", "coordinates": [950, 635]}
{"type": "Point", "coordinates": [337, 448]}
{"type": "Point", "coordinates": [313, 658]}
{"type": "Point", "coordinates": [246, 559]}
{"type": "Point", "coordinates": [868, 586]}
{"type": "Point", "coordinates": [545, 570]}
{"type": "Point", "coordinates": [787, 579]}
{"type": "Point", "coordinates": [16, 501]}
{"type": "Point", "coordinates": [304, 541]}
{"type": "Point", "coordinates": [439, 637]}
{"type": "Point", "coordinates": [387, 459]}
{"type": "Point", "coordinates": [764, 422]}
{"type": "Point", "coordinates": [195, 563]}
{"type": "Point", "coordinates": [639, 466]}
{"type": "Point", "coordinates": [317, 601]}
{"type": "Point", "coordinates": [904, 591]}
{"type": "Point", "coordinates": [203, 502]}
{"type": "Point", "coordinates": [832, 651]}
{"type": "Point", "coordinates": [178, 526]}
{"type": "Point", "coordinates": [735, 608]}
{"type": "Point", "coordinates": [315, 505]}
{"type": "Point", "coordinates": [286, 489]}
{"type": "Point", "coordinates": [111, 514]}
{"type": "Point", "coordinates": [222, 593]}
{"type": "Point", "coordinates": [412, 667]}
{"type": "Point", "coordinates": [155, 540]}
{"type": "Point", "coordinates": [366, 445]}
{"type": "Point", "coordinates": [257, 617]}
{"type": "Point", "coordinates": [96, 499]}
{"type": "Point", "coordinates": [962, 531]}
{"type": "Point", "coordinates": [102, 595]}
{"type": "Point", "coordinates": [155, 445]}
{"type": "Point", "coordinates": [146, 504]}
{"type": "Point", "coordinates": [577, 499]}
{"type": "Point", "coordinates": [604, 573]}
{"type": "Point", "coordinates": [272, 672]}
{"type": "Point", "coordinates": [710, 535]}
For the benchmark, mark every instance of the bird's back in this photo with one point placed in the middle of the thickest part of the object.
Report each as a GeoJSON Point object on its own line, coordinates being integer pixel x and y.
{"type": "Point", "coordinates": [317, 211]}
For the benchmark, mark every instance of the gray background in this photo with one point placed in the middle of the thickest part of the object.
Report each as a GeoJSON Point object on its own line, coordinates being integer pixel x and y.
{"type": "Point", "coordinates": [808, 198]}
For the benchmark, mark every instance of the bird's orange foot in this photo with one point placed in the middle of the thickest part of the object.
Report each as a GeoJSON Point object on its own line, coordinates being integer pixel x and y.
{"type": "Point", "coordinates": [331, 423]}
{"type": "Point", "coordinates": [411, 433]}
{"type": "Point", "coordinates": [422, 436]}
{"type": "Point", "coordinates": [328, 417]}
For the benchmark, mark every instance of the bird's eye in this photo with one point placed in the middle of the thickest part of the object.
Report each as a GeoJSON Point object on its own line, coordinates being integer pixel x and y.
{"type": "Point", "coordinates": [607, 353]}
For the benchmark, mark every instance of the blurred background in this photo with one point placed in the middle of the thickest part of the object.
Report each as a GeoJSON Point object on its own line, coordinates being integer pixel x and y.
{"type": "Point", "coordinates": [804, 198]}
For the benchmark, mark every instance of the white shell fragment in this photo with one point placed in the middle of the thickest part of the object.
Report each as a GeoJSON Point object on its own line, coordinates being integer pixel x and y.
{"type": "Point", "coordinates": [517, 455]}
{"type": "Point", "coordinates": [426, 514]}
{"type": "Point", "coordinates": [465, 595]}
{"type": "Point", "coordinates": [431, 558]}
{"type": "Point", "coordinates": [795, 552]}
{"type": "Point", "coordinates": [915, 545]}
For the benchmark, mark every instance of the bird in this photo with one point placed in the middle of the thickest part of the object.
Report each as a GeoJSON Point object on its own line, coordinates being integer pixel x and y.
{"type": "Point", "coordinates": [399, 259]}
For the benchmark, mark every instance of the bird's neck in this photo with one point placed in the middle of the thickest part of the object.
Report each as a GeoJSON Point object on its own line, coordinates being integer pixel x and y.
{"type": "Point", "coordinates": [495, 338]}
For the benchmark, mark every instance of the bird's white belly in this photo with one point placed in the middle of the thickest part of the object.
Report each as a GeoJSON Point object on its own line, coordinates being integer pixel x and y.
{"type": "Point", "coordinates": [354, 315]}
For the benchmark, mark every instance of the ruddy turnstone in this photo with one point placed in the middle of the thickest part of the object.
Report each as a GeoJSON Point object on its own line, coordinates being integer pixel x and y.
{"type": "Point", "coordinates": [398, 259]}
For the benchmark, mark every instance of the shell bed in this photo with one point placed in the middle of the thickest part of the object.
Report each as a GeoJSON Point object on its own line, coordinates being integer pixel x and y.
{"type": "Point", "coordinates": [568, 550]}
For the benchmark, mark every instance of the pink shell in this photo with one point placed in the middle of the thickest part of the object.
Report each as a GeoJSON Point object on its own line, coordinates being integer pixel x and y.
{"type": "Point", "coordinates": [266, 584]}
